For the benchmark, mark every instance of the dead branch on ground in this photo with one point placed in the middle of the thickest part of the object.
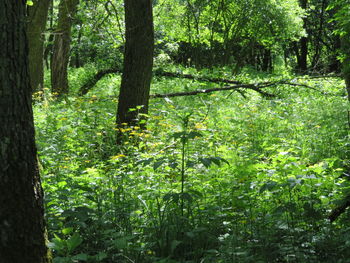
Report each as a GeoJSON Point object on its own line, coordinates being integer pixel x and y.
{"type": "Point", "coordinates": [159, 73]}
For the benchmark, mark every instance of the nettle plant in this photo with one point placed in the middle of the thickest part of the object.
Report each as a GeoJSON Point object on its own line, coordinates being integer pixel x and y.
{"type": "Point", "coordinates": [178, 199]}
{"type": "Point", "coordinates": [182, 156]}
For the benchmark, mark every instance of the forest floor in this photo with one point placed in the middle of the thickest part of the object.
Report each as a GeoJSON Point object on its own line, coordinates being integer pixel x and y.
{"type": "Point", "coordinates": [221, 177]}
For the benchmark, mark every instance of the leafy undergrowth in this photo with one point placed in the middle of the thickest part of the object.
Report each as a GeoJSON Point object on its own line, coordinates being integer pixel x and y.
{"type": "Point", "coordinates": [215, 178]}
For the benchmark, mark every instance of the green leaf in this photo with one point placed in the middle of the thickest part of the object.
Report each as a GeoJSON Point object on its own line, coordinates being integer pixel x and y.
{"type": "Point", "coordinates": [292, 182]}
{"type": "Point", "coordinates": [30, 3]}
{"type": "Point", "coordinates": [187, 196]}
{"type": "Point", "coordinates": [190, 234]}
{"type": "Point", "coordinates": [178, 135]}
{"type": "Point", "coordinates": [269, 185]}
{"type": "Point", "coordinates": [194, 134]}
{"type": "Point", "coordinates": [221, 160]}
{"type": "Point", "coordinates": [121, 243]}
{"type": "Point", "coordinates": [74, 241]}
{"type": "Point", "coordinates": [171, 196]}
{"type": "Point", "coordinates": [67, 230]}
{"type": "Point", "coordinates": [62, 260]}
{"type": "Point", "coordinates": [173, 164]}
{"type": "Point", "coordinates": [167, 196]}
{"type": "Point", "coordinates": [145, 161]}
{"type": "Point", "coordinates": [190, 164]}
{"type": "Point", "coordinates": [81, 257]}
{"type": "Point", "coordinates": [101, 256]}
{"type": "Point", "coordinates": [205, 161]}
{"type": "Point", "coordinates": [58, 243]}
{"type": "Point", "coordinates": [174, 245]}
{"type": "Point", "coordinates": [158, 163]}
{"type": "Point", "coordinates": [216, 160]}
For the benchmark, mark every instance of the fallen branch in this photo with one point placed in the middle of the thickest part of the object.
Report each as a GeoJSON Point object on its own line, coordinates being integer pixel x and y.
{"type": "Point", "coordinates": [286, 82]}
{"type": "Point", "coordinates": [99, 75]}
{"type": "Point", "coordinates": [160, 73]}
{"type": "Point", "coordinates": [238, 86]}
{"type": "Point", "coordinates": [241, 88]}
{"type": "Point", "coordinates": [256, 87]}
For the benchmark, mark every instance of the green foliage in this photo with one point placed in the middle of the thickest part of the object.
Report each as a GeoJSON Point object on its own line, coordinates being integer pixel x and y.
{"type": "Point", "coordinates": [214, 178]}
{"type": "Point", "coordinates": [341, 16]}
{"type": "Point", "coordinates": [207, 21]}
{"type": "Point", "coordinates": [225, 32]}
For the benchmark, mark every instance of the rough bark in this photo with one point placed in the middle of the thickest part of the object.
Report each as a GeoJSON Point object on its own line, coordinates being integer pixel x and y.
{"type": "Point", "coordinates": [37, 15]}
{"type": "Point", "coordinates": [138, 60]}
{"type": "Point", "coordinates": [22, 228]}
{"type": "Point", "coordinates": [61, 47]}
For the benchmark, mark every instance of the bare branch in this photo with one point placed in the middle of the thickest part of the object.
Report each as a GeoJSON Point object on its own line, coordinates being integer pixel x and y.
{"type": "Point", "coordinates": [256, 87]}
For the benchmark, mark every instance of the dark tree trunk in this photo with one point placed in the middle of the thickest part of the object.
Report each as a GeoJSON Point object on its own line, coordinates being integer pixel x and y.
{"type": "Point", "coordinates": [22, 228]}
{"type": "Point", "coordinates": [301, 48]}
{"type": "Point", "coordinates": [37, 23]}
{"type": "Point", "coordinates": [345, 46]}
{"type": "Point", "coordinates": [302, 63]}
{"type": "Point", "coordinates": [61, 47]}
{"type": "Point", "coordinates": [138, 60]}
{"type": "Point", "coordinates": [319, 36]}
{"type": "Point", "coordinates": [266, 60]}
{"type": "Point", "coordinates": [77, 61]}
{"type": "Point", "coordinates": [334, 63]}
{"type": "Point", "coordinates": [49, 45]}
{"type": "Point", "coordinates": [48, 51]}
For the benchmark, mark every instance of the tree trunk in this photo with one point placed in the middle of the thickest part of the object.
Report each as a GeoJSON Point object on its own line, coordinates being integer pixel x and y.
{"type": "Point", "coordinates": [334, 63]}
{"type": "Point", "coordinates": [302, 63]}
{"type": "Point", "coordinates": [37, 23]}
{"type": "Point", "coordinates": [138, 61]}
{"type": "Point", "coordinates": [61, 47]}
{"type": "Point", "coordinates": [266, 59]}
{"type": "Point", "coordinates": [22, 227]}
{"type": "Point", "coordinates": [77, 61]}
{"type": "Point", "coordinates": [302, 47]}
{"type": "Point", "coordinates": [318, 36]}
{"type": "Point", "coordinates": [345, 47]}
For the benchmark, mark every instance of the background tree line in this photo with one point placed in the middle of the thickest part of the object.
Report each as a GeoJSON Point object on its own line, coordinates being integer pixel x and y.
{"type": "Point", "coordinates": [266, 35]}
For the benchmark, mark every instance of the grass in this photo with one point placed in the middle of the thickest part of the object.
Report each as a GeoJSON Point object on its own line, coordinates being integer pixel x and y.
{"type": "Point", "coordinates": [215, 178]}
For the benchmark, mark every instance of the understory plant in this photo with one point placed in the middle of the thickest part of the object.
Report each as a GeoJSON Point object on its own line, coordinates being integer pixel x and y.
{"type": "Point", "coordinates": [214, 178]}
